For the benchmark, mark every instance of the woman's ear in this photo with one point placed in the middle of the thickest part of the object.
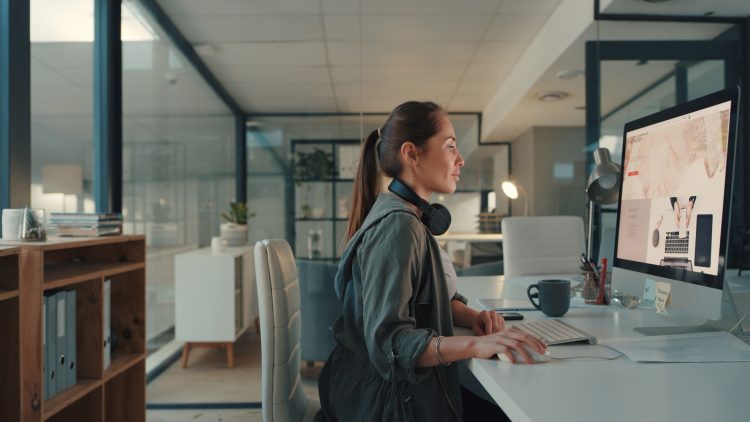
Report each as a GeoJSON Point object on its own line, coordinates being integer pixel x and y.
{"type": "Point", "coordinates": [409, 153]}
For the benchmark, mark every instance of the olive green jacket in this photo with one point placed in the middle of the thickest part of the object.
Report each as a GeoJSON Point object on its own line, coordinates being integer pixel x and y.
{"type": "Point", "coordinates": [395, 300]}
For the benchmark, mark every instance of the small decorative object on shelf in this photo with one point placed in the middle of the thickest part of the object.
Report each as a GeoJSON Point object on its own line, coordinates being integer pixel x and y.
{"type": "Point", "coordinates": [314, 244]}
{"type": "Point", "coordinates": [234, 232]}
{"type": "Point", "coordinates": [33, 225]}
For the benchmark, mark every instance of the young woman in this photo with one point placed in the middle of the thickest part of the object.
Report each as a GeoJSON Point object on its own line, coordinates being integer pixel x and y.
{"type": "Point", "coordinates": [395, 342]}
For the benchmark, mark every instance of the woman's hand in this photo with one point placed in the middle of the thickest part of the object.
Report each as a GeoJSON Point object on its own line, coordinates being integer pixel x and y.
{"type": "Point", "coordinates": [487, 322]}
{"type": "Point", "coordinates": [506, 340]}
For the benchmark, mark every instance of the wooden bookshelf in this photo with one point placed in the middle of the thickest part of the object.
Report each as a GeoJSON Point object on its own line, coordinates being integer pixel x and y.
{"type": "Point", "coordinates": [27, 272]}
{"type": "Point", "coordinates": [10, 352]}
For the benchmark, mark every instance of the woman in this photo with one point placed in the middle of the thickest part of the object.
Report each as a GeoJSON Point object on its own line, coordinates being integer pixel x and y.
{"type": "Point", "coordinates": [394, 339]}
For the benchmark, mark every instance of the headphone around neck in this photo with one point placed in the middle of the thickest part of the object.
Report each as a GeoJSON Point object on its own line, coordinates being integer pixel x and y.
{"type": "Point", "coordinates": [435, 217]}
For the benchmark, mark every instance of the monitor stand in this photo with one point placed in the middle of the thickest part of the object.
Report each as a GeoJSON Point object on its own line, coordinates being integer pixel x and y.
{"type": "Point", "coordinates": [727, 321]}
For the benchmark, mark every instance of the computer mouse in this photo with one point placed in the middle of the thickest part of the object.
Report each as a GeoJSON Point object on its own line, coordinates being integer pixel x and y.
{"type": "Point", "coordinates": [538, 358]}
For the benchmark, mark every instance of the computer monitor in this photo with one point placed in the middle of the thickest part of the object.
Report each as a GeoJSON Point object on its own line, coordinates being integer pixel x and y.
{"type": "Point", "coordinates": [674, 205]}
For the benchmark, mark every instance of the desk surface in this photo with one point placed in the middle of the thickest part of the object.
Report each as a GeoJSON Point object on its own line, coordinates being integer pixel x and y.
{"type": "Point", "coordinates": [612, 390]}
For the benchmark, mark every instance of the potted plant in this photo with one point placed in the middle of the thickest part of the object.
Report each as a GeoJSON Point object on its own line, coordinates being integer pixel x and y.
{"type": "Point", "coordinates": [234, 231]}
{"type": "Point", "coordinates": [309, 166]}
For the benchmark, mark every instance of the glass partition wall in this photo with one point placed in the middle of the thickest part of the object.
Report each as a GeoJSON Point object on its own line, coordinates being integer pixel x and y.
{"type": "Point", "coordinates": [665, 65]}
{"type": "Point", "coordinates": [178, 159]}
{"type": "Point", "coordinates": [314, 222]}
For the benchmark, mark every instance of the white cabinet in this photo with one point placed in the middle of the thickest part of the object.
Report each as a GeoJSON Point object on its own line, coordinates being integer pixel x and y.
{"type": "Point", "coordinates": [215, 299]}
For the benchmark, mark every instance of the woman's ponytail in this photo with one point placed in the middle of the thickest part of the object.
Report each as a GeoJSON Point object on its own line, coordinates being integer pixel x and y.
{"type": "Point", "coordinates": [366, 184]}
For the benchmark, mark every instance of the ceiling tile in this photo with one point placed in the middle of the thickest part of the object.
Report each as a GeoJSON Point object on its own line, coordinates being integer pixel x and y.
{"type": "Point", "coordinates": [425, 7]}
{"type": "Point", "coordinates": [424, 27]}
{"type": "Point", "coordinates": [475, 88]}
{"type": "Point", "coordinates": [344, 53]}
{"type": "Point", "coordinates": [307, 53]}
{"type": "Point", "coordinates": [424, 89]}
{"type": "Point", "coordinates": [275, 104]}
{"type": "Point", "coordinates": [341, 27]}
{"type": "Point", "coordinates": [488, 71]}
{"type": "Point", "coordinates": [280, 74]}
{"type": "Point", "coordinates": [376, 73]}
{"type": "Point", "coordinates": [283, 90]}
{"type": "Point", "coordinates": [214, 29]}
{"type": "Point", "coordinates": [237, 7]}
{"type": "Point", "coordinates": [515, 26]}
{"type": "Point", "coordinates": [498, 51]}
{"type": "Point", "coordinates": [470, 103]}
{"type": "Point", "coordinates": [528, 6]}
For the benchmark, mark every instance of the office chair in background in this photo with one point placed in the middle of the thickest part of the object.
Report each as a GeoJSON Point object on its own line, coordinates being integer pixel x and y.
{"type": "Point", "coordinates": [283, 397]}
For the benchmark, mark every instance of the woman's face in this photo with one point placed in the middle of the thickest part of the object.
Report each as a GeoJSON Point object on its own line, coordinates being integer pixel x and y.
{"type": "Point", "coordinates": [439, 162]}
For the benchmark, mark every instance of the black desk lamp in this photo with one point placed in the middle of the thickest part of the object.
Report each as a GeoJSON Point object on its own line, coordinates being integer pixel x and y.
{"type": "Point", "coordinates": [603, 187]}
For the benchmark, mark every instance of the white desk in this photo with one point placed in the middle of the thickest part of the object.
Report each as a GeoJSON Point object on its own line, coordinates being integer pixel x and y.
{"type": "Point", "coordinates": [617, 390]}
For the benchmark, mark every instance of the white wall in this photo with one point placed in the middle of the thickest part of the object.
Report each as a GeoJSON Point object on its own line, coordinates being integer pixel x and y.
{"type": "Point", "coordinates": [549, 162]}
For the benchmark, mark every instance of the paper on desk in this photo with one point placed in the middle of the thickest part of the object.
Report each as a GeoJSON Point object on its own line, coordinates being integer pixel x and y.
{"type": "Point", "coordinates": [716, 346]}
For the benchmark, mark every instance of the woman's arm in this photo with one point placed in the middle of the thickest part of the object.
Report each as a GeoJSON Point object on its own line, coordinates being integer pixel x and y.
{"type": "Point", "coordinates": [457, 348]}
{"type": "Point", "coordinates": [484, 322]}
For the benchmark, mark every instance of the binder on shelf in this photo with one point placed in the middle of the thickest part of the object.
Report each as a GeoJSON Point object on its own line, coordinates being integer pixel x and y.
{"type": "Point", "coordinates": [51, 355]}
{"type": "Point", "coordinates": [62, 342]}
{"type": "Point", "coordinates": [106, 322]}
{"type": "Point", "coordinates": [70, 331]}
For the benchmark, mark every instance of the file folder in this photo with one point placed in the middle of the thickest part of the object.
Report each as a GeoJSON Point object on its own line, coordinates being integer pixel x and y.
{"type": "Point", "coordinates": [70, 331]}
{"type": "Point", "coordinates": [106, 324]}
{"type": "Point", "coordinates": [62, 344]}
{"type": "Point", "coordinates": [51, 355]}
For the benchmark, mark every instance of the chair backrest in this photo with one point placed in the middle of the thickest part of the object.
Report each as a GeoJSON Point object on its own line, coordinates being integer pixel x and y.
{"type": "Point", "coordinates": [283, 397]}
{"type": "Point", "coordinates": [542, 245]}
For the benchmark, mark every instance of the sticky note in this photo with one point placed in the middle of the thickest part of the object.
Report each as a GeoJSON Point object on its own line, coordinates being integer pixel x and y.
{"type": "Point", "coordinates": [649, 293]}
{"type": "Point", "coordinates": [662, 296]}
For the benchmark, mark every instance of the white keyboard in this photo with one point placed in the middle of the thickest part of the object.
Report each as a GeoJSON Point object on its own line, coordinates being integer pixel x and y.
{"type": "Point", "coordinates": [554, 331]}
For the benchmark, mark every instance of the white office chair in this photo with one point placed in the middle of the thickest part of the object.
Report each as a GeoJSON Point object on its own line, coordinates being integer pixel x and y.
{"type": "Point", "coordinates": [283, 399]}
{"type": "Point", "coordinates": [542, 245]}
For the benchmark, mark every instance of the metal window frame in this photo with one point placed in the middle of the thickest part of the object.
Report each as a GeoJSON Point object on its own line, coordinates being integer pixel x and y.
{"type": "Point", "coordinates": [718, 49]}
{"type": "Point", "coordinates": [15, 104]}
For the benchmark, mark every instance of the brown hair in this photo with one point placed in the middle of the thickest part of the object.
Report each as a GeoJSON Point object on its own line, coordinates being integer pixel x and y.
{"type": "Point", "coordinates": [412, 121]}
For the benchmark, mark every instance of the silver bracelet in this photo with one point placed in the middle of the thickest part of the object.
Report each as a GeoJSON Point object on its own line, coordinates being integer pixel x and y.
{"type": "Point", "coordinates": [437, 351]}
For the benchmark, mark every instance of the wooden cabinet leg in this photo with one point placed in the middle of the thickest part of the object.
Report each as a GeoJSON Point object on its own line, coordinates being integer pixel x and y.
{"type": "Point", "coordinates": [185, 355]}
{"type": "Point", "coordinates": [230, 354]}
{"type": "Point", "coordinates": [257, 325]}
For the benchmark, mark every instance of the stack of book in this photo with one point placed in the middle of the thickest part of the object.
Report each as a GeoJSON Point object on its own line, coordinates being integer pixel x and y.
{"type": "Point", "coordinates": [86, 224]}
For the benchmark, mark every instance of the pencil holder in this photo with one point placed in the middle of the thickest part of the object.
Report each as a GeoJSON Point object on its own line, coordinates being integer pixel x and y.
{"type": "Point", "coordinates": [590, 290]}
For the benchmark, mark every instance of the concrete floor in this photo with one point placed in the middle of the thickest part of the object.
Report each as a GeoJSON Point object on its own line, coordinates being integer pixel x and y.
{"type": "Point", "coordinates": [208, 380]}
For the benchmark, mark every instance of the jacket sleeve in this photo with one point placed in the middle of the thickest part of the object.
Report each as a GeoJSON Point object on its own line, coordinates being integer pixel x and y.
{"type": "Point", "coordinates": [391, 257]}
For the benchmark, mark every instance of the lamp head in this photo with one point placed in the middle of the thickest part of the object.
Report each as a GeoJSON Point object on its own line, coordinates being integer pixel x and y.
{"type": "Point", "coordinates": [603, 184]}
{"type": "Point", "coordinates": [510, 189]}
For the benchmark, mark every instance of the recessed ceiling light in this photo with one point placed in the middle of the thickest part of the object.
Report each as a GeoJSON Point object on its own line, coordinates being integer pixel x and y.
{"type": "Point", "coordinates": [569, 73]}
{"type": "Point", "coordinates": [205, 49]}
{"type": "Point", "coordinates": [551, 96]}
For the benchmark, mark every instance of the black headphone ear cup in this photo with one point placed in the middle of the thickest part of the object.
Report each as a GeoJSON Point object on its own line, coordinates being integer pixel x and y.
{"type": "Point", "coordinates": [439, 221]}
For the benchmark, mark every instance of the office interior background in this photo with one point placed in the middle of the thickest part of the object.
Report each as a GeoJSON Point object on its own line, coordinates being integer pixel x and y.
{"type": "Point", "coordinates": [168, 110]}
